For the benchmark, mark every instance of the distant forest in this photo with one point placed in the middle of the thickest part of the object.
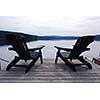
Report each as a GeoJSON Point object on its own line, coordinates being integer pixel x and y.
{"type": "Point", "coordinates": [29, 38]}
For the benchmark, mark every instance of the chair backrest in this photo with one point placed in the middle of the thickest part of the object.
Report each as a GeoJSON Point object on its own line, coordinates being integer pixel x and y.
{"type": "Point", "coordinates": [19, 45]}
{"type": "Point", "coordinates": [80, 46]}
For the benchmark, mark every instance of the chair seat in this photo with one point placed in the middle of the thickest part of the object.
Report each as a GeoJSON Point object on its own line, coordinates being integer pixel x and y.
{"type": "Point", "coordinates": [34, 54]}
{"type": "Point", "coordinates": [65, 54]}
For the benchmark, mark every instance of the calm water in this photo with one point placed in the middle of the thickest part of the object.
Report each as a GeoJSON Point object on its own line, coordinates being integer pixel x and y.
{"type": "Point", "coordinates": [49, 52]}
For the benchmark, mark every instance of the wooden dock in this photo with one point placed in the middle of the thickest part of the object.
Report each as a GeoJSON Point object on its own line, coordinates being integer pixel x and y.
{"type": "Point", "coordinates": [51, 73]}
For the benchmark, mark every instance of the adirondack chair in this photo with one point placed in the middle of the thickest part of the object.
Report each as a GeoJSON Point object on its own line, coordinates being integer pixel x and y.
{"type": "Point", "coordinates": [24, 53]}
{"type": "Point", "coordinates": [68, 54]}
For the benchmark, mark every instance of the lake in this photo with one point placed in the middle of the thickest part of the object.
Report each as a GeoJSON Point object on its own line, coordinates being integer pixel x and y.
{"type": "Point", "coordinates": [49, 52]}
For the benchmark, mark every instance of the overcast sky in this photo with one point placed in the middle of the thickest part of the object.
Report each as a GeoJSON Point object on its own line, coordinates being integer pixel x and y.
{"type": "Point", "coordinates": [51, 17]}
{"type": "Point", "coordinates": [52, 25]}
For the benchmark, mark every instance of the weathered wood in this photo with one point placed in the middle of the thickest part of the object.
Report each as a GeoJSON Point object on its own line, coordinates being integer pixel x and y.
{"type": "Point", "coordinates": [48, 72]}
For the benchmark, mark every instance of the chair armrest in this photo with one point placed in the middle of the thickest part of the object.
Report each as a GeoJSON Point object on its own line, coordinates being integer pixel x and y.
{"type": "Point", "coordinates": [10, 48]}
{"type": "Point", "coordinates": [37, 48]}
{"type": "Point", "coordinates": [65, 49]}
{"type": "Point", "coordinates": [87, 49]}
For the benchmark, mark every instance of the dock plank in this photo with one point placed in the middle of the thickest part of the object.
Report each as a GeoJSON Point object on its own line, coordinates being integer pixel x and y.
{"type": "Point", "coordinates": [51, 73]}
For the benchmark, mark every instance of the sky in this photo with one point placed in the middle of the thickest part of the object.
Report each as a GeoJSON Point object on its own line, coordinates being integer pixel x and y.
{"type": "Point", "coordinates": [52, 25]}
{"type": "Point", "coordinates": [51, 17]}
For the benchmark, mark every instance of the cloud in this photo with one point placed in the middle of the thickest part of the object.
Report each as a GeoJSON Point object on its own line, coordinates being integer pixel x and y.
{"type": "Point", "coordinates": [96, 18]}
{"type": "Point", "coordinates": [52, 25]}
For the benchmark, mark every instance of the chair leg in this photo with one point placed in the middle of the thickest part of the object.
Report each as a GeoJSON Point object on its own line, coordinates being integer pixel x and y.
{"type": "Point", "coordinates": [73, 68]}
{"type": "Point", "coordinates": [89, 65]}
{"type": "Point", "coordinates": [30, 65]}
{"type": "Point", "coordinates": [57, 55]}
{"type": "Point", "coordinates": [56, 59]}
{"type": "Point", "coordinates": [70, 65]}
{"type": "Point", "coordinates": [85, 62]}
{"type": "Point", "coordinates": [41, 59]}
{"type": "Point", "coordinates": [12, 63]}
